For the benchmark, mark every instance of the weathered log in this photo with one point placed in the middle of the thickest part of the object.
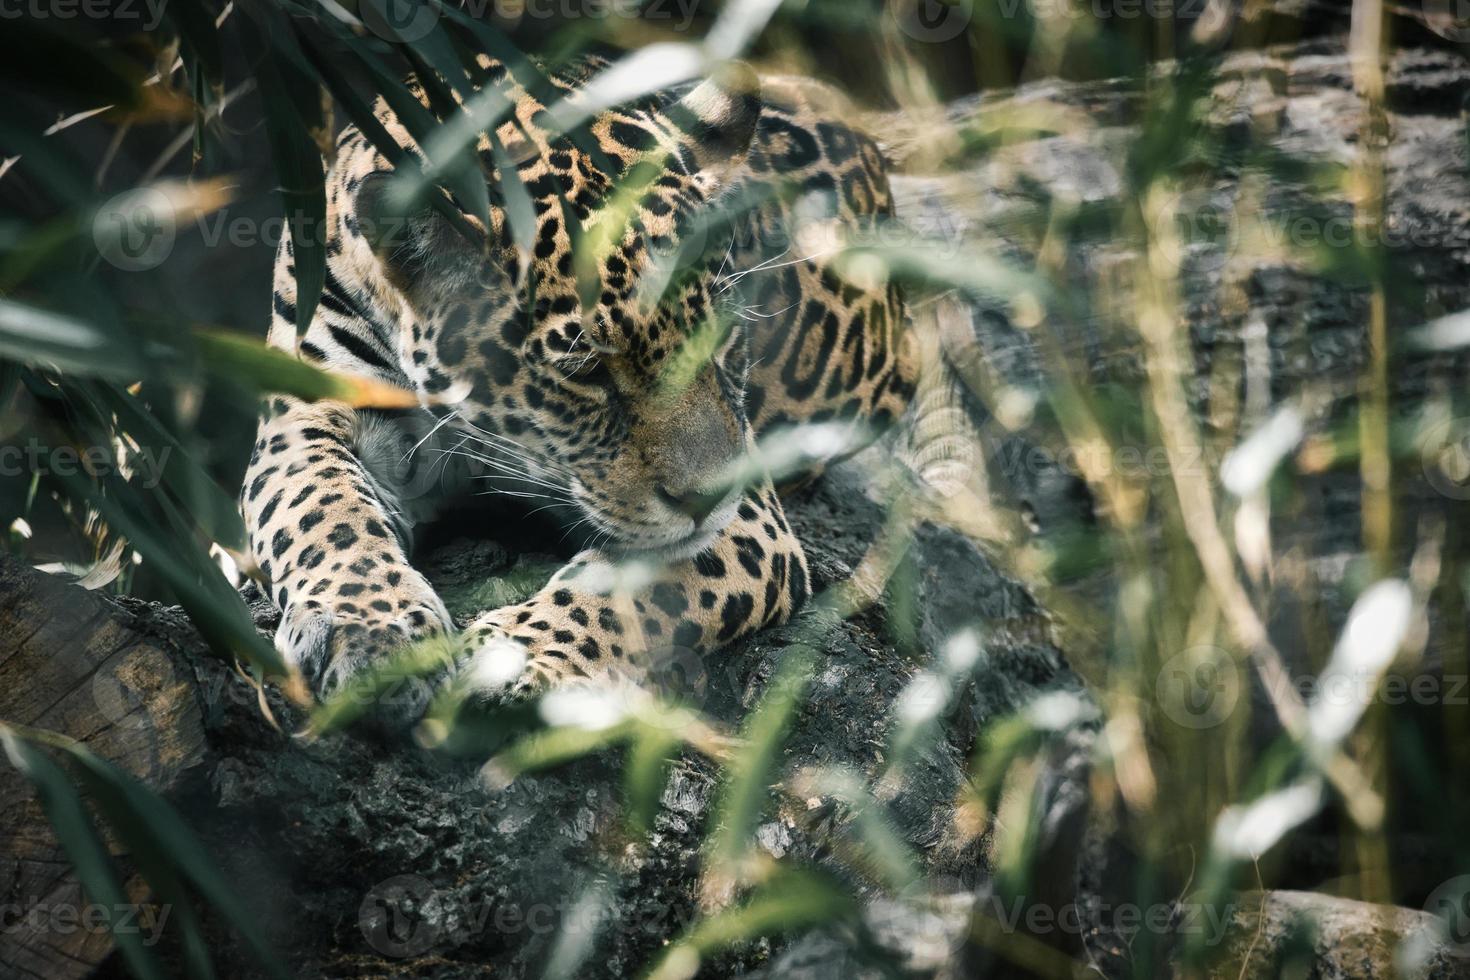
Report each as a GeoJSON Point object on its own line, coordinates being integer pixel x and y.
{"type": "Point", "coordinates": [74, 663]}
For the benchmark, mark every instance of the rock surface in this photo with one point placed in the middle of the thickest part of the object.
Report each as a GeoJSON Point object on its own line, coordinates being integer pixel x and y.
{"type": "Point", "coordinates": [364, 859]}
{"type": "Point", "coordinates": [1273, 313]}
{"type": "Point", "coordinates": [1278, 932]}
{"type": "Point", "coordinates": [1284, 123]}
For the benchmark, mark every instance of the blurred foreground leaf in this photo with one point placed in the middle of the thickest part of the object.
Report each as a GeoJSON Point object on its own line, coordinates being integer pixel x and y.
{"type": "Point", "coordinates": [788, 902]}
{"type": "Point", "coordinates": [748, 783]}
{"type": "Point", "coordinates": [158, 840]}
{"type": "Point", "coordinates": [267, 369]}
{"type": "Point", "coordinates": [81, 841]}
{"type": "Point", "coordinates": [47, 339]}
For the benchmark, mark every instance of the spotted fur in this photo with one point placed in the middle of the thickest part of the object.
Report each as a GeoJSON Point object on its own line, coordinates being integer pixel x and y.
{"type": "Point", "coordinates": [602, 408]}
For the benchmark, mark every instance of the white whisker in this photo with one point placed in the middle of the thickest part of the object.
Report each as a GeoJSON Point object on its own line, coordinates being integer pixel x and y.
{"type": "Point", "coordinates": [735, 277]}
{"type": "Point", "coordinates": [767, 267]}
{"type": "Point", "coordinates": [767, 316]}
{"type": "Point", "coordinates": [427, 436]}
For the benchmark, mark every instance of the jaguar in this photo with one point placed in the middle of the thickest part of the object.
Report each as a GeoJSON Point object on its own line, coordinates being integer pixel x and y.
{"type": "Point", "coordinates": [715, 320]}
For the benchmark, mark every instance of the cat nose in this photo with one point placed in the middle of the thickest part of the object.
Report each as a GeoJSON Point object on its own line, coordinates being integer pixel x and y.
{"type": "Point", "coordinates": [694, 504]}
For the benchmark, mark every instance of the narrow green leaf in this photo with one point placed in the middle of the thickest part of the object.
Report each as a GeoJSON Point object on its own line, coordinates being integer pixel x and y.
{"type": "Point", "coordinates": [300, 176]}
{"type": "Point", "coordinates": [463, 178]}
{"type": "Point", "coordinates": [211, 602]}
{"type": "Point", "coordinates": [200, 38]}
{"type": "Point", "coordinates": [267, 370]}
{"type": "Point", "coordinates": [538, 85]}
{"type": "Point", "coordinates": [217, 512]}
{"type": "Point", "coordinates": [376, 686]}
{"type": "Point", "coordinates": [81, 841]}
{"type": "Point", "coordinates": [747, 787]}
{"type": "Point", "coordinates": [44, 338]}
{"type": "Point", "coordinates": [175, 844]}
{"type": "Point", "coordinates": [549, 748]}
{"type": "Point", "coordinates": [646, 775]}
{"type": "Point", "coordinates": [788, 902]}
{"type": "Point", "coordinates": [150, 854]}
{"type": "Point", "coordinates": [520, 210]}
{"type": "Point", "coordinates": [361, 114]}
{"type": "Point", "coordinates": [935, 264]}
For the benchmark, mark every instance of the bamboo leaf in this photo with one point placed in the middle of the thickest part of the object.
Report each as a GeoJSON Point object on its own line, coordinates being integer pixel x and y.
{"type": "Point", "coordinates": [151, 856]}
{"type": "Point", "coordinates": [168, 841]}
{"type": "Point", "coordinates": [514, 196]}
{"type": "Point", "coordinates": [463, 177]}
{"type": "Point", "coordinates": [379, 684]}
{"type": "Point", "coordinates": [217, 512]}
{"type": "Point", "coordinates": [300, 177]}
{"type": "Point", "coordinates": [195, 23]}
{"type": "Point", "coordinates": [266, 369]}
{"type": "Point", "coordinates": [362, 117]}
{"type": "Point", "coordinates": [747, 787]}
{"type": "Point", "coordinates": [787, 903]}
{"type": "Point", "coordinates": [81, 841]}
{"type": "Point", "coordinates": [44, 338]}
{"type": "Point", "coordinates": [646, 775]}
{"type": "Point", "coordinates": [939, 266]}
{"type": "Point", "coordinates": [549, 748]}
{"type": "Point", "coordinates": [211, 602]}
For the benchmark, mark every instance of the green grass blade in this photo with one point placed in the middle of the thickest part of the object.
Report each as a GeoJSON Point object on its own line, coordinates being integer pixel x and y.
{"type": "Point", "coordinates": [176, 844]}
{"type": "Point", "coordinates": [646, 774]}
{"type": "Point", "coordinates": [45, 338]}
{"type": "Point", "coordinates": [789, 902]}
{"type": "Point", "coordinates": [81, 841]}
{"type": "Point", "coordinates": [747, 787]}
{"type": "Point", "coordinates": [303, 188]}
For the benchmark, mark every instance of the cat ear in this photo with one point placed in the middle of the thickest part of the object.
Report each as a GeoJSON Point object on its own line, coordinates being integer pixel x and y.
{"type": "Point", "coordinates": [716, 121]}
